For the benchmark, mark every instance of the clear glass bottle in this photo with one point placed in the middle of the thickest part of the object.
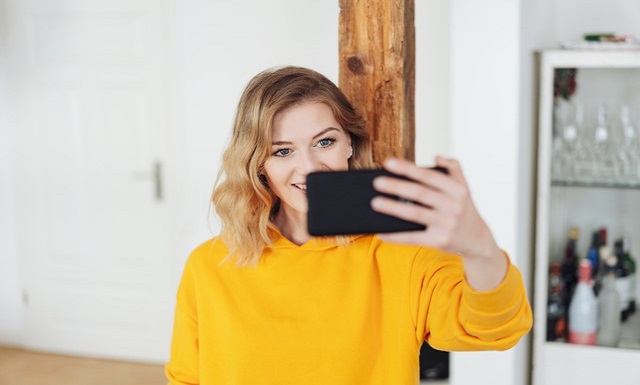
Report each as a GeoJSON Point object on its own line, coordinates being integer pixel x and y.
{"type": "Point", "coordinates": [609, 324]}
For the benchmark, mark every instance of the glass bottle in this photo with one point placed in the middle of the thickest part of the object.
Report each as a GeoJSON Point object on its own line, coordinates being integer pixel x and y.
{"type": "Point", "coordinates": [603, 243]}
{"type": "Point", "coordinates": [630, 264]}
{"type": "Point", "coordinates": [583, 309]}
{"type": "Point", "coordinates": [569, 267]}
{"type": "Point", "coordinates": [609, 328]}
{"type": "Point", "coordinates": [594, 253]}
{"type": "Point", "coordinates": [556, 310]}
{"type": "Point", "coordinates": [623, 280]}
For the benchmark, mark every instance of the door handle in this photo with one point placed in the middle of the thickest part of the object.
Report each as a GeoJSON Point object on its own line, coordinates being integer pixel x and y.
{"type": "Point", "coordinates": [155, 175]}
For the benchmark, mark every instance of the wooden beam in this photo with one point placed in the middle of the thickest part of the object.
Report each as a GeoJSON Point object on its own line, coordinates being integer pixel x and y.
{"type": "Point", "coordinates": [377, 70]}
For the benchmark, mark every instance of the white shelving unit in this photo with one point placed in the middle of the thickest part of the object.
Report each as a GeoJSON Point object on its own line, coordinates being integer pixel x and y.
{"type": "Point", "coordinates": [612, 78]}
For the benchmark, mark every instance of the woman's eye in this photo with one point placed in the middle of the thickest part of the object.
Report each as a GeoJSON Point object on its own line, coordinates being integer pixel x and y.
{"type": "Point", "coordinates": [326, 142]}
{"type": "Point", "coordinates": [282, 152]}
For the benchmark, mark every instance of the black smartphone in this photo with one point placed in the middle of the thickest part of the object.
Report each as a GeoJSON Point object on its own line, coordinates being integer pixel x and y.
{"type": "Point", "coordinates": [340, 204]}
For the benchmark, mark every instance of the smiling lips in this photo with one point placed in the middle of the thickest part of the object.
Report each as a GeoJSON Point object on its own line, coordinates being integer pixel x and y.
{"type": "Point", "coordinates": [300, 186]}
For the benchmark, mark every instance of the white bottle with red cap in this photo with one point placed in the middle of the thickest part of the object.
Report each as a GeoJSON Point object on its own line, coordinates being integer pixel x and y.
{"type": "Point", "coordinates": [583, 309]}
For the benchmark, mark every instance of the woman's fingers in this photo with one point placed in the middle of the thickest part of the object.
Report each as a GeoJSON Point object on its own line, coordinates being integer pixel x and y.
{"type": "Point", "coordinates": [441, 202]}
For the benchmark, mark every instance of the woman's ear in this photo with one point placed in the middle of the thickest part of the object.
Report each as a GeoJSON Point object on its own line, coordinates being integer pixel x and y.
{"type": "Point", "coordinates": [262, 176]}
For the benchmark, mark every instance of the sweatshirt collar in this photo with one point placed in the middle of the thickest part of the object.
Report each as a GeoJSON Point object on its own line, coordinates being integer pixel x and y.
{"type": "Point", "coordinates": [315, 243]}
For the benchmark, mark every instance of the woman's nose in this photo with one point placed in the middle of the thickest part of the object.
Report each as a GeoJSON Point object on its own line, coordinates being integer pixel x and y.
{"type": "Point", "coordinates": [309, 162]}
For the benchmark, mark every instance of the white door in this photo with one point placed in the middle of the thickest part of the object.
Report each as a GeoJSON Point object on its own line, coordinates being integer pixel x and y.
{"type": "Point", "coordinates": [89, 119]}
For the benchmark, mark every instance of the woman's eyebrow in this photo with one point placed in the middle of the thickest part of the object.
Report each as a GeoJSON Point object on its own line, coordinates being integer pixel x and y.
{"type": "Point", "coordinates": [319, 134]}
{"type": "Point", "coordinates": [324, 132]}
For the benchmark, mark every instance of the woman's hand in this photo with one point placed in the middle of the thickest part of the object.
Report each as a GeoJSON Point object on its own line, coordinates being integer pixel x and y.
{"type": "Point", "coordinates": [445, 207]}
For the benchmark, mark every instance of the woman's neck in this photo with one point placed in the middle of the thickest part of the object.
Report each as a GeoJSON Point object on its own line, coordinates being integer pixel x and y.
{"type": "Point", "coordinates": [292, 227]}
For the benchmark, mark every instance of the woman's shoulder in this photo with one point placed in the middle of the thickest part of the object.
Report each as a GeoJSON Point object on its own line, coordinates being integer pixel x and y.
{"type": "Point", "coordinates": [419, 254]}
{"type": "Point", "coordinates": [213, 250]}
{"type": "Point", "coordinates": [395, 249]}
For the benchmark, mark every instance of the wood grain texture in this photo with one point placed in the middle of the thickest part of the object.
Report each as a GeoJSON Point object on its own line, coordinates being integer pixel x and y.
{"type": "Point", "coordinates": [24, 367]}
{"type": "Point", "coordinates": [377, 70]}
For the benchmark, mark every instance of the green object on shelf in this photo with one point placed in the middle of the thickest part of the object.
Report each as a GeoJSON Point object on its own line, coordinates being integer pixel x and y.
{"type": "Point", "coordinates": [598, 36]}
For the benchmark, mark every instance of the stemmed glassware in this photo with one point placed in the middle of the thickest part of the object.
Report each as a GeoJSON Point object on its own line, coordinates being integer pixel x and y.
{"type": "Point", "coordinates": [628, 147]}
{"type": "Point", "coordinates": [598, 144]}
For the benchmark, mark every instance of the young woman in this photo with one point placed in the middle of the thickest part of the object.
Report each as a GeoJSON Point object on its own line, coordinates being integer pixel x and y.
{"type": "Point", "coordinates": [265, 302]}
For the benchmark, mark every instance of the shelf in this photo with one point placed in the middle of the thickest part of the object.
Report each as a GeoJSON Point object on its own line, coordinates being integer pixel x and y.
{"type": "Point", "coordinates": [612, 185]}
{"type": "Point", "coordinates": [571, 363]}
{"type": "Point", "coordinates": [631, 333]}
{"type": "Point", "coordinates": [630, 338]}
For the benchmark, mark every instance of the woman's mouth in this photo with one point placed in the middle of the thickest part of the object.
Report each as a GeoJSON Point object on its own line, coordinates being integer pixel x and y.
{"type": "Point", "coordinates": [300, 186]}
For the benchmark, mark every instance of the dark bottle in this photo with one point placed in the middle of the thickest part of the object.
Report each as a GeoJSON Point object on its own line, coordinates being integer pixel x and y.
{"type": "Point", "coordinates": [556, 309]}
{"type": "Point", "coordinates": [603, 243]}
{"type": "Point", "coordinates": [630, 265]}
{"type": "Point", "coordinates": [603, 238]}
{"type": "Point", "coordinates": [622, 280]}
{"type": "Point", "coordinates": [594, 254]}
{"type": "Point", "coordinates": [569, 267]}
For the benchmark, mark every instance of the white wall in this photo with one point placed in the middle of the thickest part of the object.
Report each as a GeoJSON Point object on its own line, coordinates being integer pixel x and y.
{"type": "Point", "coordinates": [10, 284]}
{"type": "Point", "coordinates": [485, 132]}
{"type": "Point", "coordinates": [433, 78]}
{"type": "Point", "coordinates": [573, 18]}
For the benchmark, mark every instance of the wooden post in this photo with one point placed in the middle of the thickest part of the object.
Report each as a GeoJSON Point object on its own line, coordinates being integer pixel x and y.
{"type": "Point", "coordinates": [377, 70]}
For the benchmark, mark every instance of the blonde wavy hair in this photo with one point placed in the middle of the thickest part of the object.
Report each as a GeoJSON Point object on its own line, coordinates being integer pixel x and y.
{"type": "Point", "coordinates": [241, 197]}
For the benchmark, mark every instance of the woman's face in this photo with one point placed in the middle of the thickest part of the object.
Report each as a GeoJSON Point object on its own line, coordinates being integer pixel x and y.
{"type": "Point", "coordinates": [305, 138]}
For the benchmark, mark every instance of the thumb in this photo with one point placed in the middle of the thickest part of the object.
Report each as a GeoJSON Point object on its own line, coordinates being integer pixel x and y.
{"type": "Point", "coordinates": [453, 166]}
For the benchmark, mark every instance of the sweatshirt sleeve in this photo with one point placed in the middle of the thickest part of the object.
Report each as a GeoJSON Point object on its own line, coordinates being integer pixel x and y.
{"type": "Point", "coordinates": [450, 315]}
{"type": "Point", "coordinates": [183, 365]}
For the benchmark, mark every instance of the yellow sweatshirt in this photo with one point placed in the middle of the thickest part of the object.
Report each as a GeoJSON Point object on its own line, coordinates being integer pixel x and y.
{"type": "Point", "coordinates": [325, 314]}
